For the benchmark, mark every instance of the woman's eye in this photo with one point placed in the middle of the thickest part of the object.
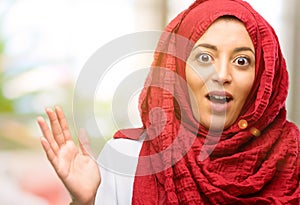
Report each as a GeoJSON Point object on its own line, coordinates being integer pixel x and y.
{"type": "Point", "coordinates": [204, 58]}
{"type": "Point", "coordinates": [242, 61]}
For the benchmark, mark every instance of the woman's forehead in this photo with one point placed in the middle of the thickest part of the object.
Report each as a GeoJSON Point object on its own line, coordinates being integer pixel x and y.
{"type": "Point", "coordinates": [226, 31]}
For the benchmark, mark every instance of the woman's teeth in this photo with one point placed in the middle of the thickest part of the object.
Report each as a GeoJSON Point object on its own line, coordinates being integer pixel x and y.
{"type": "Point", "coordinates": [219, 99]}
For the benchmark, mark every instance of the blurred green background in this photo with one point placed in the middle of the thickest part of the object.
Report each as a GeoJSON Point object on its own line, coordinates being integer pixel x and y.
{"type": "Point", "coordinates": [43, 46]}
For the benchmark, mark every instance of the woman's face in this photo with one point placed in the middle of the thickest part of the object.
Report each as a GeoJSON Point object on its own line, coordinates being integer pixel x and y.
{"type": "Point", "coordinates": [220, 73]}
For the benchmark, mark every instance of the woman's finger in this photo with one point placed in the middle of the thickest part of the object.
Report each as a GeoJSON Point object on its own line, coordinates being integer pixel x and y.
{"type": "Point", "coordinates": [56, 127]}
{"type": "Point", "coordinates": [63, 123]}
{"type": "Point", "coordinates": [47, 148]}
{"type": "Point", "coordinates": [47, 134]}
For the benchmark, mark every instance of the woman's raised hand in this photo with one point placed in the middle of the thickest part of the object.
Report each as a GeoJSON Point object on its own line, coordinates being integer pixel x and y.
{"type": "Point", "coordinates": [76, 168]}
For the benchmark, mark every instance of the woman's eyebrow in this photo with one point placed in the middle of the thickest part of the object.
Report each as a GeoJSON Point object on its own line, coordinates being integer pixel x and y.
{"type": "Point", "coordinates": [213, 47]}
{"type": "Point", "coordinates": [206, 45]}
{"type": "Point", "coordinates": [239, 49]}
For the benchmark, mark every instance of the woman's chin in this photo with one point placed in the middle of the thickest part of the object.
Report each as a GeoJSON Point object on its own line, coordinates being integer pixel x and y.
{"type": "Point", "coordinates": [216, 124]}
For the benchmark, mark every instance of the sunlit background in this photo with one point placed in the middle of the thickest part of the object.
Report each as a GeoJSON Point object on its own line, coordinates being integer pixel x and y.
{"type": "Point", "coordinates": [43, 46]}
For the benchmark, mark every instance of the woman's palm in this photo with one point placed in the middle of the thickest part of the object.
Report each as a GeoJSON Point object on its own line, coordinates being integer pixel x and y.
{"type": "Point", "coordinates": [78, 170]}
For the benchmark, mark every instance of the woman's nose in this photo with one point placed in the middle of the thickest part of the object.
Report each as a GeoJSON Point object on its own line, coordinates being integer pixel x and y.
{"type": "Point", "coordinates": [222, 74]}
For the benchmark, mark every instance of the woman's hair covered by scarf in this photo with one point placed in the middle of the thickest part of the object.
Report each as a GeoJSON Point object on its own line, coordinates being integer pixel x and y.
{"type": "Point", "coordinates": [256, 164]}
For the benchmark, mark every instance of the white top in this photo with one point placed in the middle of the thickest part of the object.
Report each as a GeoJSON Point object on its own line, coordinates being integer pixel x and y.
{"type": "Point", "coordinates": [117, 163]}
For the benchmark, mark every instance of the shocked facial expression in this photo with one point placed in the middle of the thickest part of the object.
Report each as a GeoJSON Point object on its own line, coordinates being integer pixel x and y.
{"type": "Point", "coordinates": [220, 72]}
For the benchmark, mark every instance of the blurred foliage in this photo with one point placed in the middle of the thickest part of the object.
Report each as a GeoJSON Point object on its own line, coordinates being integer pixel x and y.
{"type": "Point", "coordinates": [6, 105]}
{"type": "Point", "coordinates": [1, 46]}
{"type": "Point", "coordinates": [13, 132]}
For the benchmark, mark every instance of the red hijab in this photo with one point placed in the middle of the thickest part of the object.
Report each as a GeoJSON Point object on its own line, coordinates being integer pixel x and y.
{"type": "Point", "coordinates": [254, 161]}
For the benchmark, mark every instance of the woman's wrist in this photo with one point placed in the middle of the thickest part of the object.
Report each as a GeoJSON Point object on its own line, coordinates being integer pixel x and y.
{"type": "Point", "coordinates": [75, 202]}
{"type": "Point", "coordinates": [78, 202]}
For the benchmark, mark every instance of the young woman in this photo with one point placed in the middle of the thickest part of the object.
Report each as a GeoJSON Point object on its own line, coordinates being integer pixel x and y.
{"type": "Point", "coordinates": [214, 121]}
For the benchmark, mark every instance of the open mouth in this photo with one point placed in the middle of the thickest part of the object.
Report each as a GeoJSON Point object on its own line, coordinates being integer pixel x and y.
{"type": "Point", "coordinates": [219, 97]}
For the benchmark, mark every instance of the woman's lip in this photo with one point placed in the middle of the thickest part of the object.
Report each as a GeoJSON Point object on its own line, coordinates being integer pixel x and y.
{"type": "Point", "coordinates": [216, 107]}
{"type": "Point", "coordinates": [220, 93]}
